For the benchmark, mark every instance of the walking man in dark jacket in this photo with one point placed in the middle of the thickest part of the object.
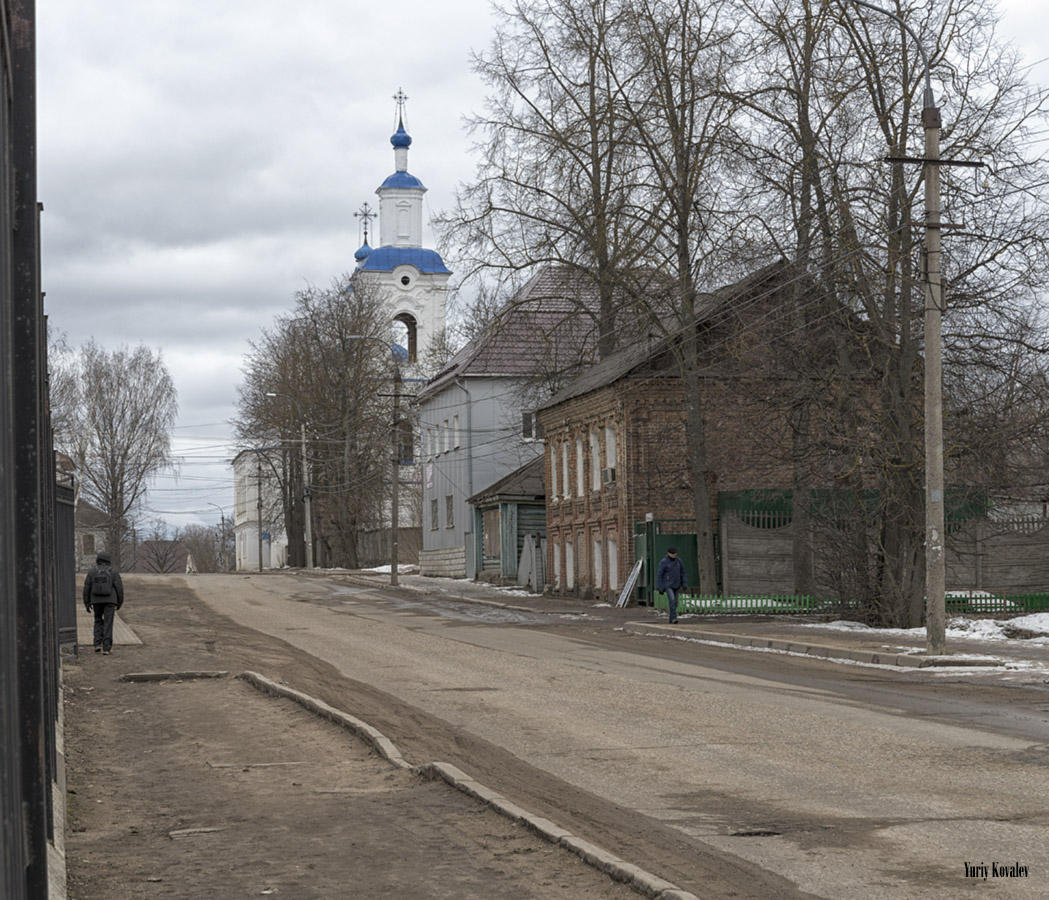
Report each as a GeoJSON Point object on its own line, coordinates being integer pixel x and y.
{"type": "Point", "coordinates": [103, 595]}
{"type": "Point", "coordinates": [671, 578]}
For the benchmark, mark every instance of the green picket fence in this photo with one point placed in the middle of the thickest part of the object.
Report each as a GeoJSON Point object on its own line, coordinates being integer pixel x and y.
{"type": "Point", "coordinates": [752, 604]}
{"type": "Point", "coordinates": [978, 602]}
{"type": "Point", "coordinates": [987, 602]}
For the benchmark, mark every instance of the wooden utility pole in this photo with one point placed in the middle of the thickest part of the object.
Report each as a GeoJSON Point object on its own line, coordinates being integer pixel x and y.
{"type": "Point", "coordinates": [935, 575]}
{"type": "Point", "coordinates": [395, 472]}
{"type": "Point", "coordinates": [306, 502]}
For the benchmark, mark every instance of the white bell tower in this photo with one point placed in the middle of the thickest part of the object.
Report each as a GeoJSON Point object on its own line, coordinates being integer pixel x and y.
{"type": "Point", "coordinates": [415, 279]}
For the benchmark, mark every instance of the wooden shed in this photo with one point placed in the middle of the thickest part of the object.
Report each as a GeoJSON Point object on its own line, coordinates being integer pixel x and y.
{"type": "Point", "coordinates": [504, 515]}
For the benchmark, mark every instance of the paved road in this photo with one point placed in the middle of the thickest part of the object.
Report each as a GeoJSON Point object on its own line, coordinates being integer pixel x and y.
{"type": "Point", "coordinates": [843, 783]}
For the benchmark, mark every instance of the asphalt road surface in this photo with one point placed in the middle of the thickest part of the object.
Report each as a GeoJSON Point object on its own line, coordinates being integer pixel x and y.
{"type": "Point", "coordinates": [727, 773]}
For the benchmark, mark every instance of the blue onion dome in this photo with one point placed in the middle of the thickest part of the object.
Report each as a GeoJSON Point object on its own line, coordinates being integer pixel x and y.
{"type": "Point", "coordinates": [362, 254]}
{"type": "Point", "coordinates": [401, 138]}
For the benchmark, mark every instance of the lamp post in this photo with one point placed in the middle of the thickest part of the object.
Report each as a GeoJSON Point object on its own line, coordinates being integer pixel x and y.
{"type": "Point", "coordinates": [394, 453]}
{"type": "Point", "coordinates": [222, 537]}
{"type": "Point", "coordinates": [935, 577]}
{"type": "Point", "coordinates": [306, 500]}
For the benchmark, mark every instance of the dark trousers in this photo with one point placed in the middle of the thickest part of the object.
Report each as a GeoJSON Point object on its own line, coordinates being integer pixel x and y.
{"type": "Point", "coordinates": [104, 625]}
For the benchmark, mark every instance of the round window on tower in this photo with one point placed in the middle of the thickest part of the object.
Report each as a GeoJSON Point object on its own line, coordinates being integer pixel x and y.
{"type": "Point", "coordinates": [406, 280]}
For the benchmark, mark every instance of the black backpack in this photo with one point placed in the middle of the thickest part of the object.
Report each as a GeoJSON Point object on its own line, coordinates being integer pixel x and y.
{"type": "Point", "coordinates": [102, 581]}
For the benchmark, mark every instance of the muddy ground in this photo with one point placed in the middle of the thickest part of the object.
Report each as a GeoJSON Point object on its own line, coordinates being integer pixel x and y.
{"type": "Point", "coordinates": [201, 789]}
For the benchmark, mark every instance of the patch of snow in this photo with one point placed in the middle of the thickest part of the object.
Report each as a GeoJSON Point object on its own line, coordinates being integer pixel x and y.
{"type": "Point", "coordinates": [957, 627]}
{"type": "Point", "coordinates": [401, 570]}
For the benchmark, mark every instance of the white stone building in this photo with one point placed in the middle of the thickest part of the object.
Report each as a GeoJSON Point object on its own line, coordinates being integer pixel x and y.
{"type": "Point", "coordinates": [250, 471]}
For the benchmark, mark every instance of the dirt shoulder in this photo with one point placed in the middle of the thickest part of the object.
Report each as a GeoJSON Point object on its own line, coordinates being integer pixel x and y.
{"type": "Point", "coordinates": [210, 789]}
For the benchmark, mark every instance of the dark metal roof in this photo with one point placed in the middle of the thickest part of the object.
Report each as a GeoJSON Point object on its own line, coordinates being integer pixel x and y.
{"type": "Point", "coordinates": [655, 354]}
{"type": "Point", "coordinates": [525, 483]}
{"type": "Point", "coordinates": [548, 326]}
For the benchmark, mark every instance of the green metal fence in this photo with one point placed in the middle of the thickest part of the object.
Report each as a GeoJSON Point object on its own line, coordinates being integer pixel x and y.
{"type": "Point", "coordinates": [978, 602]}
{"type": "Point", "coordinates": [992, 602]}
{"type": "Point", "coordinates": [764, 605]}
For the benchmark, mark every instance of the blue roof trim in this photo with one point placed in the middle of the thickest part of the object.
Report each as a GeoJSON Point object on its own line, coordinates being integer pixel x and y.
{"type": "Point", "coordinates": [386, 259]}
{"type": "Point", "coordinates": [402, 180]}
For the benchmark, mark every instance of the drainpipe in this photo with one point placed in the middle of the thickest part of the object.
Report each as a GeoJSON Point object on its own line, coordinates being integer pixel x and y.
{"type": "Point", "coordinates": [469, 469]}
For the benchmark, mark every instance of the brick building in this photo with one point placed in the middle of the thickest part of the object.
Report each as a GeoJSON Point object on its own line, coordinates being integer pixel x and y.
{"type": "Point", "coordinates": [616, 445]}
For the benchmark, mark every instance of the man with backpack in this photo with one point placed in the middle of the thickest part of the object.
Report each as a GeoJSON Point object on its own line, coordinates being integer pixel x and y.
{"type": "Point", "coordinates": [103, 595]}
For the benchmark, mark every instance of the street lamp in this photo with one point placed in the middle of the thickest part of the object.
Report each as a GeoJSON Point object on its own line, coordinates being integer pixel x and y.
{"type": "Point", "coordinates": [394, 452]}
{"type": "Point", "coordinates": [308, 530]}
{"type": "Point", "coordinates": [222, 536]}
{"type": "Point", "coordinates": [935, 578]}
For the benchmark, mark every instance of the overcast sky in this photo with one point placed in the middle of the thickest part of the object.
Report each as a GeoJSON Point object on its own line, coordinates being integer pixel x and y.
{"type": "Point", "coordinates": [199, 162]}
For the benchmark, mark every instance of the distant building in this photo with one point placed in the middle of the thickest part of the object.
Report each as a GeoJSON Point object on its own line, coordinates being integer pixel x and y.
{"type": "Point", "coordinates": [476, 418]}
{"type": "Point", "coordinates": [90, 531]}
{"type": "Point", "coordinates": [252, 476]}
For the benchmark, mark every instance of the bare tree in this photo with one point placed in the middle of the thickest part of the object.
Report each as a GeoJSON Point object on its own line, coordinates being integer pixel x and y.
{"type": "Point", "coordinates": [558, 179]}
{"type": "Point", "coordinates": [207, 545]}
{"type": "Point", "coordinates": [830, 88]}
{"type": "Point", "coordinates": [116, 410]}
{"type": "Point", "coordinates": [326, 365]}
{"type": "Point", "coordinates": [603, 152]}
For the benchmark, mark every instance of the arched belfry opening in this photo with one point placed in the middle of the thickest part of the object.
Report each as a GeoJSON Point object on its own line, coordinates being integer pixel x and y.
{"type": "Point", "coordinates": [406, 333]}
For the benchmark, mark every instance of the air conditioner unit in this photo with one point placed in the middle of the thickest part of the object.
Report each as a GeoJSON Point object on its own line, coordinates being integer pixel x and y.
{"type": "Point", "coordinates": [608, 476]}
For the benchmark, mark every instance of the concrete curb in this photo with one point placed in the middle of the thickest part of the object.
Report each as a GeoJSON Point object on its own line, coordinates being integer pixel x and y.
{"type": "Point", "coordinates": [644, 882]}
{"type": "Point", "coordinates": [383, 745]}
{"type": "Point", "coordinates": [884, 658]}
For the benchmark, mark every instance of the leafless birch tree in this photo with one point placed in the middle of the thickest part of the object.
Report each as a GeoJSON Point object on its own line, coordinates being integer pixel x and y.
{"type": "Point", "coordinates": [115, 413]}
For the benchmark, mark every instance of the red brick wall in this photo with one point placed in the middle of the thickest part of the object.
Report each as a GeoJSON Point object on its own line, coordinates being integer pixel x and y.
{"type": "Point", "coordinates": [747, 448]}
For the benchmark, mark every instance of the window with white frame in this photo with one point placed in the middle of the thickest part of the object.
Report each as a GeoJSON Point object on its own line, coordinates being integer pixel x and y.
{"type": "Point", "coordinates": [595, 461]}
{"type": "Point", "coordinates": [437, 439]}
{"type": "Point", "coordinates": [598, 561]}
{"type": "Point", "coordinates": [611, 451]}
{"type": "Point", "coordinates": [455, 425]}
{"type": "Point", "coordinates": [569, 565]}
{"type": "Point", "coordinates": [447, 437]}
{"type": "Point", "coordinates": [566, 491]}
{"type": "Point", "coordinates": [613, 565]}
{"type": "Point", "coordinates": [553, 472]}
{"type": "Point", "coordinates": [557, 565]}
{"type": "Point", "coordinates": [580, 483]}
